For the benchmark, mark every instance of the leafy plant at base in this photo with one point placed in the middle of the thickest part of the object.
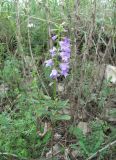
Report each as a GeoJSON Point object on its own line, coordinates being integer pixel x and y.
{"type": "Point", "coordinates": [51, 109]}
{"type": "Point", "coordinates": [89, 144]}
{"type": "Point", "coordinates": [18, 131]}
{"type": "Point", "coordinates": [10, 73]}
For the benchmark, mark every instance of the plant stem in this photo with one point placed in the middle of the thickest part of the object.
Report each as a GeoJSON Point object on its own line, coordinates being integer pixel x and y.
{"type": "Point", "coordinates": [54, 90]}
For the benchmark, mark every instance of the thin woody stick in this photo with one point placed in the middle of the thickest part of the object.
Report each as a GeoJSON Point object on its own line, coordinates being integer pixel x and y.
{"type": "Point", "coordinates": [104, 148]}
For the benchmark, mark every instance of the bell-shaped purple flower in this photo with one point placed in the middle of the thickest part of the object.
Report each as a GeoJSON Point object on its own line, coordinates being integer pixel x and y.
{"type": "Point", "coordinates": [64, 69]}
{"type": "Point", "coordinates": [64, 73]}
{"type": "Point", "coordinates": [64, 66]}
{"type": "Point", "coordinates": [65, 59]}
{"type": "Point", "coordinates": [54, 37]}
{"type": "Point", "coordinates": [49, 63]}
{"type": "Point", "coordinates": [65, 44]}
{"type": "Point", "coordinates": [53, 51]}
{"type": "Point", "coordinates": [67, 40]}
{"type": "Point", "coordinates": [66, 49]}
{"type": "Point", "coordinates": [54, 74]}
{"type": "Point", "coordinates": [65, 56]}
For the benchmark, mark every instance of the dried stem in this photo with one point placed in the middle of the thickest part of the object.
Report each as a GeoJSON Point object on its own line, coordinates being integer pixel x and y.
{"type": "Point", "coordinates": [101, 150]}
{"type": "Point", "coordinates": [33, 60]}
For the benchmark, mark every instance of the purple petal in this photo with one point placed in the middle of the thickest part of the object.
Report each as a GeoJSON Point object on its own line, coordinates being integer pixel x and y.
{"type": "Point", "coordinates": [64, 73]}
{"type": "Point", "coordinates": [54, 37]}
{"type": "Point", "coordinates": [65, 59]}
{"type": "Point", "coordinates": [65, 45]}
{"type": "Point", "coordinates": [53, 51]}
{"type": "Point", "coordinates": [67, 40]}
{"type": "Point", "coordinates": [65, 54]}
{"type": "Point", "coordinates": [49, 63]}
{"type": "Point", "coordinates": [64, 66]}
{"type": "Point", "coordinates": [66, 49]}
{"type": "Point", "coordinates": [54, 74]}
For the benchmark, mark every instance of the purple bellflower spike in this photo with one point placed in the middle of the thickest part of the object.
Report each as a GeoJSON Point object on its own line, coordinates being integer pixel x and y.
{"type": "Point", "coordinates": [54, 37]}
{"type": "Point", "coordinates": [65, 56]}
{"type": "Point", "coordinates": [49, 63]}
{"type": "Point", "coordinates": [54, 74]}
{"type": "Point", "coordinates": [62, 58]}
{"type": "Point", "coordinates": [53, 51]}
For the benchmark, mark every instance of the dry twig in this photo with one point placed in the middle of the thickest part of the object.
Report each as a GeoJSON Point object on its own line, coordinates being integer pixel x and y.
{"type": "Point", "coordinates": [104, 148]}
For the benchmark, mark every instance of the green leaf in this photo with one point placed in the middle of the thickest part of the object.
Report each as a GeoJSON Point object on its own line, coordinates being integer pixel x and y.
{"type": "Point", "coordinates": [83, 146]}
{"type": "Point", "coordinates": [63, 117]}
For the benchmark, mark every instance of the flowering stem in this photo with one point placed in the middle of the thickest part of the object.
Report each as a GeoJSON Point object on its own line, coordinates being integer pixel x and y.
{"type": "Point", "coordinates": [54, 90]}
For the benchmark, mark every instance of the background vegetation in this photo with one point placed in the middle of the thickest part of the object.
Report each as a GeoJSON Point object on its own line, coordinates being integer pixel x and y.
{"type": "Point", "coordinates": [79, 124]}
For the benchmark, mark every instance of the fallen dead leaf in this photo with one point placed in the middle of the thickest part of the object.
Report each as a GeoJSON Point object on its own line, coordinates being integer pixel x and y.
{"type": "Point", "coordinates": [46, 128]}
{"type": "Point", "coordinates": [57, 136]}
{"type": "Point", "coordinates": [84, 127]}
{"type": "Point", "coordinates": [53, 152]}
